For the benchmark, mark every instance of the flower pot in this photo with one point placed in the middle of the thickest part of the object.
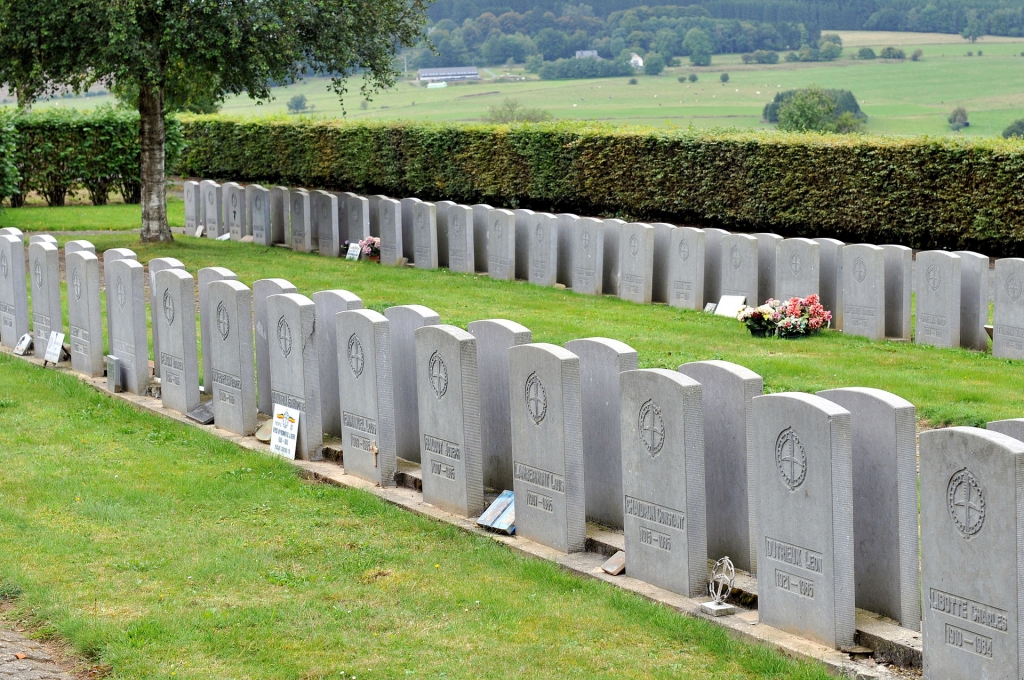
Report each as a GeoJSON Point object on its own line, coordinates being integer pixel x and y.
{"type": "Point", "coordinates": [758, 332]}
{"type": "Point", "coordinates": [374, 258]}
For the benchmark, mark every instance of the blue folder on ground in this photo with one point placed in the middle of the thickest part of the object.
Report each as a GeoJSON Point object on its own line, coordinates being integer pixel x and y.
{"type": "Point", "coordinates": [501, 516]}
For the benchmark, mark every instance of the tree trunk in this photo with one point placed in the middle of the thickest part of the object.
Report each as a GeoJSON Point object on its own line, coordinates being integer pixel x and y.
{"type": "Point", "coordinates": [154, 179]}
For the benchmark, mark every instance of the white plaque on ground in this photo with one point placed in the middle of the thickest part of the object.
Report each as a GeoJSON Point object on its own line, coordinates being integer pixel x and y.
{"type": "Point", "coordinates": [730, 305]}
{"type": "Point", "coordinates": [353, 251]}
{"type": "Point", "coordinates": [285, 433]}
{"type": "Point", "coordinates": [53, 347]}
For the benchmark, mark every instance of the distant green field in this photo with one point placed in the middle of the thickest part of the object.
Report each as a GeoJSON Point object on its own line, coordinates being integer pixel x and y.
{"type": "Point", "coordinates": [906, 98]}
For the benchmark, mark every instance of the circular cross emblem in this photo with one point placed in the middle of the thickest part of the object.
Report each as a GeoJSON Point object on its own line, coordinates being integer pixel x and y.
{"type": "Point", "coordinates": [966, 502]}
{"type": "Point", "coordinates": [258, 202]}
{"type": "Point", "coordinates": [1013, 285]}
{"type": "Point", "coordinates": [933, 277]}
{"type": "Point", "coordinates": [457, 225]}
{"type": "Point", "coordinates": [121, 297]}
{"type": "Point", "coordinates": [536, 399]}
{"type": "Point", "coordinates": [188, 195]}
{"type": "Point", "coordinates": [355, 215]}
{"type": "Point", "coordinates": [723, 575]}
{"type": "Point", "coordinates": [420, 222]}
{"type": "Point", "coordinates": [735, 258]}
{"type": "Point", "coordinates": [794, 262]}
{"type": "Point", "coordinates": [284, 336]}
{"type": "Point", "coordinates": [355, 355]}
{"type": "Point", "coordinates": [3, 264]}
{"type": "Point", "coordinates": [76, 284]}
{"type": "Point", "coordinates": [438, 374]}
{"type": "Point", "coordinates": [296, 203]}
{"type": "Point", "coordinates": [325, 210]}
{"type": "Point", "coordinates": [223, 320]}
{"type": "Point", "coordinates": [860, 270]}
{"type": "Point", "coordinates": [634, 245]}
{"type": "Point", "coordinates": [585, 238]}
{"type": "Point", "coordinates": [651, 427]}
{"type": "Point", "coordinates": [168, 306]}
{"type": "Point", "coordinates": [790, 458]}
{"type": "Point", "coordinates": [37, 269]}
{"type": "Point", "coordinates": [684, 250]}
{"type": "Point", "coordinates": [234, 200]}
{"type": "Point", "coordinates": [540, 233]}
{"type": "Point", "coordinates": [209, 198]}
{"type": "Point", "coordinates": [498, 228]}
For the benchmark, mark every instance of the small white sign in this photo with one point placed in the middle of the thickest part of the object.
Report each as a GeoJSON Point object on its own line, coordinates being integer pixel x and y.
{"type": "Point", "coordinates": [285, 433]}
{"type": "Point", "coordinates": [711, 307]}
{"type": "Point", "coordinates": [23, 344]}
{"type": "Point", "coordinates": [730, 305]}
{"type": "Point", "coordinates": [53, 347]}
{"type": "Point", "coordinates": [199, 231]}
{"type": "Point", "coordinates": [354, 251]}
{"type": "Point", "coordinates": [224, 237]}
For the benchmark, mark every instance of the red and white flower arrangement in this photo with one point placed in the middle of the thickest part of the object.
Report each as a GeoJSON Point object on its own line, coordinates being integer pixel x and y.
{"type": "Point", "coordinates": [794, 318]}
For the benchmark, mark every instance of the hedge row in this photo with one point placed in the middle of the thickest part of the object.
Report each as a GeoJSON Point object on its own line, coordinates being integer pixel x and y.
{"type": "Point", "coordinates": [921, 192]}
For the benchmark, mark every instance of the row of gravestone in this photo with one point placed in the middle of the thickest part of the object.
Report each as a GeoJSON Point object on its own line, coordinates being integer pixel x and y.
{"type": "Point", "coordinates": [816, 494]}
{"type": "Point", "coordinates": [868, 288]}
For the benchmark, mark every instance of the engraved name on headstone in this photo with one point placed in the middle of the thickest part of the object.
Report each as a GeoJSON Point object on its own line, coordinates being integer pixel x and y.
{"type": "Point", "coordinates": [295, 367]}
{"type": "Point", "coordinates": [864, 291]}
{"type": "Point", "coordinates": [501, 245]}
{"type": "Point", "coordinates": [231, 360]}
{"type": "Point", "coordinates": [126, 307]}
{"type": "Point", "coordinates": [44, 276]}
{"type": "Point", "coordinates": [636, 262]}
{"type": "Point", "coordinates": [587, 256]}
{"type": "Point", "coordinates": [404, 320]}
{"type": "Point", "coordinates": [685, 270]}
{"type": "Point", "coordinates": [739, 267]}
{"type": "Point", "coordinates": [173, 311]}
{"type": "Point", "coordinates": [85, 321]}
{"type": "Point", "coordinates": [261, 290]}
{"type": "Point", "coordinates": [328, 304]}
{"type": "Point", "coordinates": [938, 299]}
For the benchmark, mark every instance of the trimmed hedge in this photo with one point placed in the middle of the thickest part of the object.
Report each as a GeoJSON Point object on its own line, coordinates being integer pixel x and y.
{"type": "Point", "coordinates": [921, 192]}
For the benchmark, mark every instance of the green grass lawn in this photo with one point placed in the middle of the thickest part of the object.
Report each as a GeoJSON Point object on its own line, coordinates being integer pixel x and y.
{"type": "Point", "coordinates": [112, 217]}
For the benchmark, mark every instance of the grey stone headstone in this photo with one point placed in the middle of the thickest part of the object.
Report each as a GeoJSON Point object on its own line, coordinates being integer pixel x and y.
{"type": "Point", "coordinates": [587, 256]}
{"type": "Point", "coordinates": [566, 239]}
{"type": "Point", "coordinates": [391, 236]}
{"type": "Point", "coordinates": [1008, 317]}
{"type": "Point", "coordinates": [328, 304]}
{"type": "Point", "coordinates": [295, 367]}
{"type": "Point", "coordinates": [481, 224]}
{"type": "Point", "coordinates": [208, 275]}
{"type": "Point", "coordinates": [280, 215]}
{"type": "Point", "coordinates": [42, 238]}
{"type": "Point", "coordinates": [714, 261]}
{"type": "Point", "coordinates": [234, 209]}
{"type": "Point", "coordinates": [972, 482]}
{"type": "Point", "coordinates": [449, 413]}
{"type": "Point", "coordinates": [404, 320]}
{"type": "Point", "coordinates": [494, 338]}
{"type": "Point", "coordinates": [547, 445]}
{"type": "Point", "coordinates": [684, 273]}
{"type": "Point", "coordinates": [938, 299]}
{"type": "Point", "coordinates": [343, 217]}
{"type": "Point", "coordinates": [797, 270]}
{"type": "Point", "coordinates": [173, 311]}
{"type": "Point", "coordinates": [109, 256]}
{"type": "Point", "coordinates": [767, 255]}
{"type": "Point", "coordinates": [883, 431]}
{"type": "Point", "coordinates": [78, 246]}
{"type": "Point", "coordinates": [898, 284]}
{"type": "Point", "coordinates": [13, 294]}
{"type": "Point", "coordinates": [232, 361]}
{"type": "Point", "coordinates": [612, 237]}
{"type": "Point", "coordinates": [158, 264]}
{"type": "Point", "coordinates": [974, 295]}
{"type": "Point", "coordinates": [424, 234]}
{"type": "Point", "coordinates": [729, 465]}
{"type": "Point", "coordinates": [12, 231]}
{"type": "Point", "coordinates": [524, 222]}
{"type": "Point", "coordinates": [636, 262]}
{"type": "Point", "coordinates": [323, 207]}
{"type": "Point", "coordinates": [85, 317]}
{"type": "Point", "coordinates": [441, 209]}
{"type": "Point", "coordinates": [501, 245]}
{"type": "Point", "coordinates": [601, 360]}
{"type": "Point", "coordinates": [1012, 427]}
{"type": "Point", "coordinates": [126, 306]}
{"type": "Point", "coordinates": [299, 219]}
{"type": "Point", "coordinates": [408, 237]}
{"type": "Point", "coordinates": [739, 266]}
{"type": "Point", "coordinates": [805, 570]}
{"type": "Point", "coordinates": [660, 290]}
{"type": "Point", "coordinates": [460, 239]}
{"type": "Point", "coordinates": [193, 206]}
{"type": "Point", "coordinates": [357, 210]}
{"type": "Point", "coordinates": [44, 275]}
{"type": "Point", "coordinates": [541, 245]}
{"type": "Point", "coordinates": [367, 397]}
{"type": "Point", "coordinates": [257, 214]}
{"type": "Point", "coordinates": [830, 278]}
{"type": "Point", "coordinates": [864, 291]}
{"type": "Point", "coordinates": [213, 209]}
{"type": "Point", "coordinates": [261, 290]}
{"type": "Point", "coordinates": [374, 202]}
{"type": "Point", "coordinates": [663, 480]}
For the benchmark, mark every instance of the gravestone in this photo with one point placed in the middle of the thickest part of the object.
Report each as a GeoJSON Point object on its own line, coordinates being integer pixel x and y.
{"type": "Point", "coordinates": [864, 291]}
{"type": "Point", "coordinates": [830, 278]}
{"type": "Point", "coordinates": [601, 360]}
{"type": "Point", "coordinates": [660, 289]}
{"type": "Point", "coordinates": [481, 225]}
{"type": "Point", "coordinates": [193, 207]}
{"type": "Point", "coordinates": [126, 307]}
{"type": "Point", "coordinates": [566, 239]}
{"type": "Point", "coordinates": [883, 435]}
{"type": "Point", "coordinates": [208, 275]}
{"type": "Point", "coordinates": [612, 237]}
{"type": "Point", "coordinates": [234, 209]}
{"type": "Point", "coordinates": [158, 264]}
{"type": "Point", "coordinates": [494, 338]}
{"type": "Point", "coordinates": [1012, 427]}
{"type": "Point", "coordinates": [374, 202]}
{"type": "Point", "coordinates": [898, 284]}
{"type": "Point", "coordinates": [684, 275]}
{"type": "Point", "coordinates": [1008, 317]}
{"type": "Point", "coordinates": [729, 465]}
{"type": "Point", "coordinates": [663, 480]}
{"type": "Point", "coordinates": [404, 320]}
{"type": "Point", "coordinates": [587, 256]}
{"type": "Point", "coordinates": [767, 255]}
{"type": "Point", "coordinates": [42, 238]}
{"type": "Point", "coordinates": [797, 270]}
{"type": "Point", "coordinates": [441, 209]}
{"type": "Point", "coordinates": [85, 323]}
{"type": "Point", "coordinates": [460, 239]}
{"type": "Point", "coordinates": [260, 215]}
{"type": "Point", "coordinates": [231, 360]}
{"type": "Point", "coordinates": [44, 275]}
{"type": "Point", "coordinates": [358, 210]}
{"type": "Point", "coordinates": [391, 236]}
{"type": "Point", "coordinates": [408, 237]}
{"type": "Point", "coordinates": [974, 292]}
{"type": "Point", "coordinates": [173, 311]}
{"type": "Point", "coordinates": [972, 482]}
{"type": "Point", "coordinates": [547, 445]}
{"type": "Point", "coordinates": [280, 214]}
{"type": "Point", "coordinates": [367, 406]}
{"type": "Point", "coordinates": [261, 290]}
{"type": "Point", "coordinates": [541, 237]}
{"type": "Point", "coordinates": [299, 202]}
{"type": "Point", "coordinates": [739, 267]}
{"type": "Point", "coordinates": [636, 262]}
{"type": "Point", "coordinates": [12, 231]}
{"type": "Point", "coordinates": [449, 413]}
{"type": "Point", "coordinates": [323, 208]}
{"type": "Point", "coordinates": [501, 245]}
{"type": "Point", "coordinates": [13, 295]}
{"type": "Point", "coordinates": [109, 256]}
{"type": "Point", "coordinates": [78, 246]}
{"type": "Point", "coordinates": [424, 234]}
{"type": "Point", "coordinates": [213, 210]}
{"type": "Point", "coordinates": [328, 304]}
{"type": "Point", "coordinates": [938, 299]}
{"type": "Point", "coordinates": [524, 224]}
{"type": "Point", "coordinates": [805, 570]}
{"type": "Point", "coordinates": [295, 367]}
